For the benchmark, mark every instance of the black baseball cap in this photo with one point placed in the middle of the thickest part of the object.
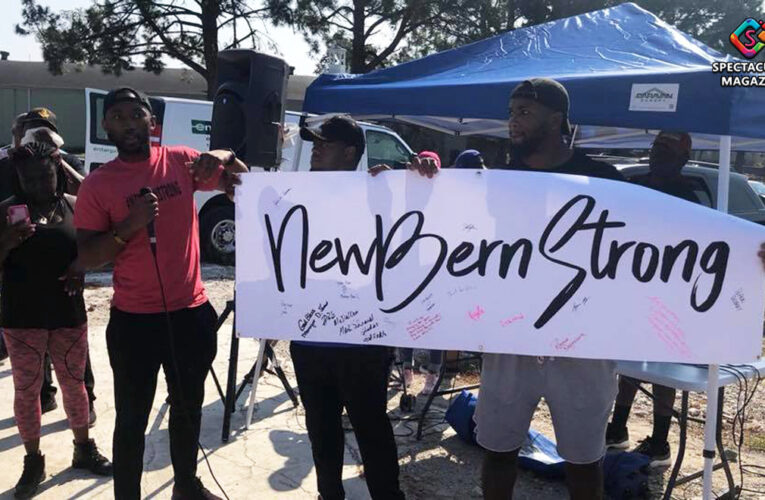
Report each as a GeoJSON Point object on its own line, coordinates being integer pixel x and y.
{"type": "Point", "coordinates": [341, 128]}
{"type": "Point", "coordinates": [126, 94]}
{"type": "Point", "coordinates": [40, 116]}
{"type": "Point", "coordinates": [547, 92]}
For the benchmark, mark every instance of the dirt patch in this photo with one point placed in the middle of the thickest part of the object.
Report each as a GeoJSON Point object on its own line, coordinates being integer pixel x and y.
{"type": "Point", "coordinates": [442, 466]}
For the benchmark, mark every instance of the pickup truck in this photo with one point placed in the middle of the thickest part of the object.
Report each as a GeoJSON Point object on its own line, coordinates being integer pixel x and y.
{"type": "Point", "coordinates": [742, 200]}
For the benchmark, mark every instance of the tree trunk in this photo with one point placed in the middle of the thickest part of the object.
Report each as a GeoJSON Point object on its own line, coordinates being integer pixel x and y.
{"type": "Point", "coordinates": [358, 47]}
{"type": "Point", "coordinates": [511, 11]}
{"type": "Point", "coordinates": [210, 13]}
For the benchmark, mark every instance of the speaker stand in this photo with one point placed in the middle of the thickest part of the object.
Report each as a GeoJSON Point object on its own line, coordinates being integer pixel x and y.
{"type": "Point", "coordinates": [266, 355]}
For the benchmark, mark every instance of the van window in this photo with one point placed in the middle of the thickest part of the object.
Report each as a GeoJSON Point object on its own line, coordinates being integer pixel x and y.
{"type": "Point", "coordinates": [97, 133]}
{"type": "Point", "coordinates": [385, 148]}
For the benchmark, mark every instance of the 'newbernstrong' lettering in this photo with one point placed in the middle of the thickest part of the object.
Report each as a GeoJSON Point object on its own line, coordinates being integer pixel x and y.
{"type": "Point", "coordinates": [649, 262]}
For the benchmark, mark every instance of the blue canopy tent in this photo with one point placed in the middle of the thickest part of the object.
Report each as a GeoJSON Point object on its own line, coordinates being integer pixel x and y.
{"type": "Point", "coordinates": [598, 56]}
{"type": "Point", "coordinates": [623, 67]}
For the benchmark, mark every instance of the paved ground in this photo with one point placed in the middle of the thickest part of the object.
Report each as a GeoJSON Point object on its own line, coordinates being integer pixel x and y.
{"type": "Point", "coordinates": [273, 456]}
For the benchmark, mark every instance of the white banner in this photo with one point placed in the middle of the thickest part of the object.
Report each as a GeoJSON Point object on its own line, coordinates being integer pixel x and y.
{"type": "Point", "coordinates": [496, 261]}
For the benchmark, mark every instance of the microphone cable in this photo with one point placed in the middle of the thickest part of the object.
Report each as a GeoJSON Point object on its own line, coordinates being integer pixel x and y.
{"type": "Point", "coordinates": [171, 338]}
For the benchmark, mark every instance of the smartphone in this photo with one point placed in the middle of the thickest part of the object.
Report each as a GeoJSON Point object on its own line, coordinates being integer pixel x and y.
{"type": "Point", "coordinates": [18, 213]}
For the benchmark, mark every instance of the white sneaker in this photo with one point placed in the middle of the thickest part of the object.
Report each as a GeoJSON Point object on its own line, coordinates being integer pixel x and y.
{"type": "Point", "coordinates": [430, 383]}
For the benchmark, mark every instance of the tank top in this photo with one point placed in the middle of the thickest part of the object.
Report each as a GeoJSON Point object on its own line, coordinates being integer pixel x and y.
{"type": "Point", "coordinates": [32, 295]}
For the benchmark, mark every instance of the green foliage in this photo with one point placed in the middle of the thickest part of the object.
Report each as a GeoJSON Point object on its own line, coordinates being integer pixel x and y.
{"type": "Point", "coordinates": [370, 30]}
{"type": "Point", "coordinates": [120, 34]}
{"type": "Point", "coordinates": [710, 21]}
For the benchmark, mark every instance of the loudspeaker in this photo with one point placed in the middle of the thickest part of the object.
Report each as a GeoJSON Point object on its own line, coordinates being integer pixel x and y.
{"type": "Point", "coordinates": [249, 106]}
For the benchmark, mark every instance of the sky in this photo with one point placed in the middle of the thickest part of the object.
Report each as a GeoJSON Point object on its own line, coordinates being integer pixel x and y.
{"type": "Point", "coordinates": [293, 48]}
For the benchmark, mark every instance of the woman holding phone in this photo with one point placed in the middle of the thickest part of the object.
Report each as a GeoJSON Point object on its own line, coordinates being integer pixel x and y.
{"type": "Point", "coordinates": [43, 307]}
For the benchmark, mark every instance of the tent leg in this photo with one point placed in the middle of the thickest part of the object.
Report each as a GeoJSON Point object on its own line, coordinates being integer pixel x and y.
{"type": "Point", "coordinates": [723, 174]}
{"type": "Point", "coordinates": [710, 428]}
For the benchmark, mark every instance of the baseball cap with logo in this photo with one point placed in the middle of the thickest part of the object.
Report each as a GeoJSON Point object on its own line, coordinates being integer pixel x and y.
{"type": "Point", "coordinates": [42, 117]}
{"type": "Point", "coordinates": [546, 92]}
{"type": "Point", "coordinates": [126, 94]}
{"type": "Point", "coordinates": [340, 128]}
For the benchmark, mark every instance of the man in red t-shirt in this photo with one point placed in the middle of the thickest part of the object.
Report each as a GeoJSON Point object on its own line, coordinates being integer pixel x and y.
{"type": "Point", "coordinates": [111, 219]}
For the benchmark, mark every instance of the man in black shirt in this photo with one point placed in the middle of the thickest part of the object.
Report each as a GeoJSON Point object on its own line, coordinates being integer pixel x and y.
{"type": "Point", "coordinates": [579, 392]}
{"type": "Point", "coordinates": [669, 154]}
{"type": "Point", "coordinates": [334, 376]}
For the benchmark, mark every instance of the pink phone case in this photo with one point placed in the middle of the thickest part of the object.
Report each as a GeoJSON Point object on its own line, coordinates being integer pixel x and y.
{"type": "Point", "coordinates": [18, 213]}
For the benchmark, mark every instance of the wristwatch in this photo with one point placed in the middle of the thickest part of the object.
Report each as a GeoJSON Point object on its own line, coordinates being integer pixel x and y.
{"type": "Point", "coordinates": [231, 159]}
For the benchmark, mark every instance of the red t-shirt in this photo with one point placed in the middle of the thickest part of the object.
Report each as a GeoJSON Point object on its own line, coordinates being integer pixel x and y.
{"type": "Point", "coordinates": [104, 200]}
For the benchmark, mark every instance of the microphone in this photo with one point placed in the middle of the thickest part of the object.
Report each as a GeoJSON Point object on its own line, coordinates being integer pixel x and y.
{"type": "Point", "coordinates": [150, 227]}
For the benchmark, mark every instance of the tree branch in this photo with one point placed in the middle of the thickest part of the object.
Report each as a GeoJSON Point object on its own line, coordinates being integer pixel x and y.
{"type": "Point", "coordinates": [183, 10]}
{"type": "Point", "coordinates": [170, 44]}
{"type": "Point", "coordinates": [402, 31]}
{"type": "Point", "coordinates": [373, 26]}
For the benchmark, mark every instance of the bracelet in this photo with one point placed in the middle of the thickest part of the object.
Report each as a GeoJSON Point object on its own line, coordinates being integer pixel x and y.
{"type": "Point", "coordinates": [117, 238]}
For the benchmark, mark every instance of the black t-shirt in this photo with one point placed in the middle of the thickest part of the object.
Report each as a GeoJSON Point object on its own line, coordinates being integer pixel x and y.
{"type": "Point", "coordinates": [578, 164]}
{"type": "Point", "coordinates": [676, 187]}
{"type": "Point", "coordinates": [31, 294]}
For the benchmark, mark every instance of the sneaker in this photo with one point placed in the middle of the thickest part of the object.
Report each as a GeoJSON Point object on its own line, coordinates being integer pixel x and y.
{"type": "Point", "coordinates": [33, 475]}
{"type": "Point", "coordinates": [92, 417]}
{"type": "Point", "coordinates": [658, 452]}
{"type": "Point", "coordinates": [195, 491]}
{"type": "Point", "coordinates": [48, 405]}
{"type": "Point", "coordinates": [430, 383]}
{"type": "Point", "coordinates": [617, 438]}
{"type": "Point", "coordinates": [408, 377]}
{"type": "Point", "coordinates": [86, 456]}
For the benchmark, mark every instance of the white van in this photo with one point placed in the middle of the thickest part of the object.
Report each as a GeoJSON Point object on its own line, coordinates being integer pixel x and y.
{"type": "Point", "coordinates": [188, 122]}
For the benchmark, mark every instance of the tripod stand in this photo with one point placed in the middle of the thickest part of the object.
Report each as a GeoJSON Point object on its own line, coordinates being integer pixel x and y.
{"type": "Point", "coordinates": [266, 357]}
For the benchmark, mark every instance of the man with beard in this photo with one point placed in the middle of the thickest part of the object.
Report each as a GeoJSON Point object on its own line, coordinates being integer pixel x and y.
{"type": "Point", "coordinates": [579, 392]}
{"type": "Point", "coordinates": [160, 314]}
{"type": "Point", "coordinates": [669, 154]}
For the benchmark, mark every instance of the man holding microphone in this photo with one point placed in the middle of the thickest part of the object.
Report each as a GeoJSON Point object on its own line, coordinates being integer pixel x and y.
{"type": "Point", "coordinates": [160, 314]}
